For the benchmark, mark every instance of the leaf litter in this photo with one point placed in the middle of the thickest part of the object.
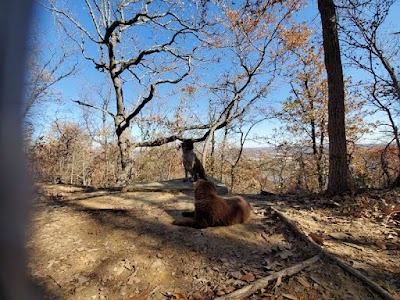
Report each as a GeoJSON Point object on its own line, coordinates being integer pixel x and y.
{"type": "Point", "coordinates": [89, 244]}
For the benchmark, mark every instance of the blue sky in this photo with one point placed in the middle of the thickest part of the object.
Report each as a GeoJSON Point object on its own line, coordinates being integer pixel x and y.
{"type": "Point", "coordinates": [74, 87]}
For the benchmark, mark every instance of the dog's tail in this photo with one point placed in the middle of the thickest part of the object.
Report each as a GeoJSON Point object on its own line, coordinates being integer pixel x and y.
{"type": "Point", "coordinates": [200, 169]}
{"type": "Point", "coordinates": [202, 173]}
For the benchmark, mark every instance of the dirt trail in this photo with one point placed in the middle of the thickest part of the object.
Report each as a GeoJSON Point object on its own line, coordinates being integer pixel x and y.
{"type": "Point", "coordinates": [97, 244]}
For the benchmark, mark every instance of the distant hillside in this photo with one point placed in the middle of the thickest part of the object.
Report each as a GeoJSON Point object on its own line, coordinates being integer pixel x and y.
{"type": "Point", "coordinates": [258, 151]}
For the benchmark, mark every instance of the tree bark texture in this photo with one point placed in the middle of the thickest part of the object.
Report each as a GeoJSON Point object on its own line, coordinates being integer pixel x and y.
{"type": "Point", "coordinates": [125, 151]}
{"type": "Point", "coordinates": [338, 166]}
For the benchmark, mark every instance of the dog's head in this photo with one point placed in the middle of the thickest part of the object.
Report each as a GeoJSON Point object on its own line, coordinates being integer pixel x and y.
{"type": "Point", "coordinates": [203, 189]}
{"type": "Point", "coordinates": [187, 145]}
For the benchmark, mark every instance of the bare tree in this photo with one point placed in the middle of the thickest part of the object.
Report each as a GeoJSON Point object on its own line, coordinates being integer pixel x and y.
{"type": "Point", "coordinates": [305, 111]}
{"type": "Point", "coordinates": [101, 133]}
{"type": "Point", "coordinates": [338, 166]}
{"type": "Point", "coordinates": [47, 67]}
{"type": "Point", "coordinates": [147, 43]}
{"type": "Point", "coordinates": [151, 44]}
{"type": "Point", "coordinates": [243, 130]}
{"type": "Point", "coordinates": [375, 51]}
{"type": "Point", "coordinates": [256, 41]}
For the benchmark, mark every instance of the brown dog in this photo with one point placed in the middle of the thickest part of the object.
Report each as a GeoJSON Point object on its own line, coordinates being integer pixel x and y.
{"type": "Point", "coordinates": [191, 163]}
{"type": "Point", "coordinates": [214, 210]}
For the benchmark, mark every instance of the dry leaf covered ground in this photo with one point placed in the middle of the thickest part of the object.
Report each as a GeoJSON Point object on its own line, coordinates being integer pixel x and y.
{"type": "Point", "coordinates": [99, 244]}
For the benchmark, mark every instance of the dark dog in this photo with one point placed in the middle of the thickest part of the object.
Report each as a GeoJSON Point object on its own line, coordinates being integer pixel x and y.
{"type": "Point", "coordinates": [214, 210]}
{"type": "Point", "coordinates": [191, 163]}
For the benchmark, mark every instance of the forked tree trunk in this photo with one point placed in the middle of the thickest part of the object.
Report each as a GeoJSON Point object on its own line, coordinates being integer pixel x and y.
{"type": "Point", "coordinates": [338, 166]}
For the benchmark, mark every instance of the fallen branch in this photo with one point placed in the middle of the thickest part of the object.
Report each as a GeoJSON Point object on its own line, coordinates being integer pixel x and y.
{"type": "Point", "coordinates": [263, 282]}
{"type": "Point", "coordinates": [371, 284]}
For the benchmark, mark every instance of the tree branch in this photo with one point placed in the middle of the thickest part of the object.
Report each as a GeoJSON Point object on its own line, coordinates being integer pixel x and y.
{"type": "Point", "coordinates": [263, 282]}
{"type": "Point", "coordinates": [53, 8]}
{"type": "Point", "coordinates": [156, 49]}
{"type": "Point", "coordinates": [95, 107]}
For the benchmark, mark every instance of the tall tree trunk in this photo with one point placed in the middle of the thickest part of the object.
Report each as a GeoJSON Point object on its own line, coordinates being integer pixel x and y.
{"type": "Point", "coordinates": [384, 166]}
{"type": "Point", "coordinates": [317, 152]}
{"type": "Point", "coordinates": [126, 153]}
{"type": "Point", "coordinates": [317, 155]}
{"type": "Point", "coordinates": [84, 182]}
{"type": "Point", "coordinates": [321, 153]}
{"type": "Point", "coordinates": [72, 168]}
{"type": "Point", "coordinates": [212, 156]}
{"type": "Point", "coordinates": [223, 148]}
{"type": "Point", "coordinates": [122, 126]}
{"type": "Point", "coordinates": [397, 141]}
{"type": "Point", "coordinates": [338, 166]}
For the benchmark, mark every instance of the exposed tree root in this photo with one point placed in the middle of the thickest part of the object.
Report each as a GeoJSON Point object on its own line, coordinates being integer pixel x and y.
{"type": "Point", "coordinates": [262, 282]}
{"type": "Point", "coordinates": [371, 284]}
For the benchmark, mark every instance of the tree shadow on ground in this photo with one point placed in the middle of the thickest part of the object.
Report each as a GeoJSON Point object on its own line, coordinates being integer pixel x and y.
{"type": "Point", "coordinates": [235, 243]}
{"type": "Point", "coordinates": [239, 246]}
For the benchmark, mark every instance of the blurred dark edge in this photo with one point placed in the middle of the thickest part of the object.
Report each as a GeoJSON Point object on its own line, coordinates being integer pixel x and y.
{"type": "Point", "coordinates": [15, 17]}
